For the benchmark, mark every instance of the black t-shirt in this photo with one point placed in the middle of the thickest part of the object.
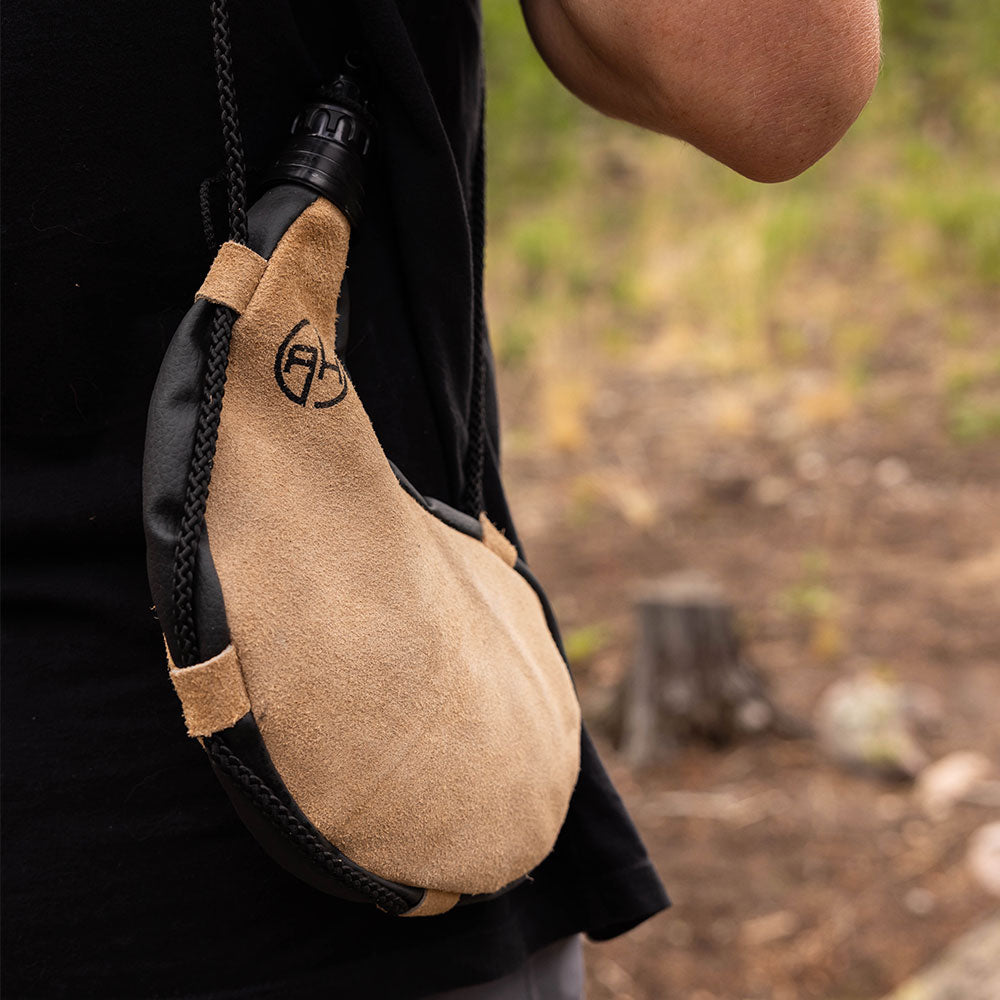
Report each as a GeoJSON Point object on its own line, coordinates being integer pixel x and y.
{"type": "Point", "coordinates": [126, 873]}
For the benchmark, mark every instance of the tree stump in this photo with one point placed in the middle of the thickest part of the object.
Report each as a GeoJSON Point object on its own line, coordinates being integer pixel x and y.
{"type": "Point", "coordinates": [689, 675]}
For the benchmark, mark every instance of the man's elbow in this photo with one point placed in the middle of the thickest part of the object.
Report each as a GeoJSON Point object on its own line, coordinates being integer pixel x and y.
{"type": "Point", "coordinates": [772, 119]}
{"type": "Point", "coordinates": [784, 133]}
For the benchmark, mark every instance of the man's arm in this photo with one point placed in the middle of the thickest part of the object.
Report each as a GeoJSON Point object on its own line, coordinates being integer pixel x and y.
{"type": "Point", "coordinates": [765, 86]}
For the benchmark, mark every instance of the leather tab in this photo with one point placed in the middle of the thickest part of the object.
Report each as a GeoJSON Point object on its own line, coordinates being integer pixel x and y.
{"type": "Point", "coordinates": [433, 903]}
{"type": "Point", "coordinates": [496, 542]}
{"type": "Point", "coordinates": [213, 693]}
{"type": "Point", "coordinates": [233, 277]}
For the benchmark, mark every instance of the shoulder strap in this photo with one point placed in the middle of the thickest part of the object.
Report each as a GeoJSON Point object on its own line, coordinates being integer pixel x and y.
{"type": "Point", "coordinates": [236, 184]}
{"type": "Point", "coordinates": [475, 456]}
{"type": "Point", "coordinates": [192, 522]}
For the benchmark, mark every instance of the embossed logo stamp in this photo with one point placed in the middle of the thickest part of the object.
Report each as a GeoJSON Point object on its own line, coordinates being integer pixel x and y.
{"type": "Point", "coordinates": [303, 372]}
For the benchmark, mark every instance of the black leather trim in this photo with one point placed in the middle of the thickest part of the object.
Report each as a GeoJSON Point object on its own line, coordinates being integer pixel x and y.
{"type": "Point", "coordinates": [449, 515]}
{"type": "Point", "coordinates": [342, 331]}
{"type": "Point", "coordinates": [550, 619]}
{"type": "Point", "coordinates": [272, 214]}
{"type": "Point", "coordinates": [484, 897]}
{"type": "Point", "coordinates": [406, 484]}
{"type": "Point", "coordinates": [170, 431]}
{"type": "Point", "coordinates": [454, 518]}
{"type": "Point", "coordinates": [286, 834]}
{"type": "Point", "coordinates": [209, 607]}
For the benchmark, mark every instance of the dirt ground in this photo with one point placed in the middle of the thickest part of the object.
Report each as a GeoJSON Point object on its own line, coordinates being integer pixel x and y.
{"type": "Point", "coordinates": [850, 537]}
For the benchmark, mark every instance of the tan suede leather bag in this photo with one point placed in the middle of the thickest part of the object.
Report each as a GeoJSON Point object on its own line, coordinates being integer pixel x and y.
{"type": "Point", "coordinates": [373, 675]}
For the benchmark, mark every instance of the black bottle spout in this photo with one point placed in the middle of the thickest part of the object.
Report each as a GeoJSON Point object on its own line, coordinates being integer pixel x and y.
{"type": "Point", "coordinates": [330, 139]}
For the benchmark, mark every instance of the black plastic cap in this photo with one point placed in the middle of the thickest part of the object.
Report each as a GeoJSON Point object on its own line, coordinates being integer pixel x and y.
{"type": "Point", "coordinates": [330, 139]}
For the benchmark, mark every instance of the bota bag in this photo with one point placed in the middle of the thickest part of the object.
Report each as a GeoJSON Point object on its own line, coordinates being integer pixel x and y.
{"type": "Point", "coordinates": [374, 676]}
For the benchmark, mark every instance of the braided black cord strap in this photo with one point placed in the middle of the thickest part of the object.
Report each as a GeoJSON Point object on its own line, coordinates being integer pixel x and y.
{"type": "Point", "coordinates": [196, 495]}
{"type": "Point", "coordinates": [475, 455]}
{"type": "Point", "coordinates": [236, 174]}
{"type": "Point", "coordinates": [210, 408]}
{"type": "Point", "coordinates": [205, 204]}
{"type": "Point", "coordinates": [279, 815]}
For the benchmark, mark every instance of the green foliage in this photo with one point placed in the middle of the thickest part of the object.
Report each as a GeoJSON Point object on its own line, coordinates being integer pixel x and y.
{"type": "Point", "coordinates": [970, 421]}
{"type": "Point", "coordinates": [544, 241]}
{"type": "Point", "coordinates": [943, 54]}
{"type": "Point", "coordinates": [584, 643]}
{"type": "Point", "coordinates": [972, 401]}
{"type": "Point", "coordinates": [531, 119]}
{"type": "Point", "coordinates": [811, 597]}
{"type": "Point", "coordinates": [608, 235]}
{"type": "Point", "coordinates": [513, 344]}
{"type": "Point", "coordinates": [792, 228]}
{"type": "Point", "coordinates": [963, 217]}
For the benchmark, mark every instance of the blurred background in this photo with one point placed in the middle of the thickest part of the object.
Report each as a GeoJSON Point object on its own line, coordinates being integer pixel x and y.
{"type": "Point", "coordinates": [793, 391]}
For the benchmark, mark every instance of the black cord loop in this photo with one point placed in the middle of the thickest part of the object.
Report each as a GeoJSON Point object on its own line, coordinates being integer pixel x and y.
{"type": "Point", "coordinates": [236, 174]}
{"type": "Point", "coordinates": [192, 524]}
{"type": "Point", "coordinates": [475, 456]}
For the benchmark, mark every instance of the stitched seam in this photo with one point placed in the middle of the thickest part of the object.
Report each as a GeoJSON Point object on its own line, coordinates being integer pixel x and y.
{"type": "Point", "coordinates": [274, 810]}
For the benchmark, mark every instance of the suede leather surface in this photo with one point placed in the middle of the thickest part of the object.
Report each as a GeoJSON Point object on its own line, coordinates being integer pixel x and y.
{"type": "Point", "coordinates": [494, 540]}
{"type": "Point", "coordinates": [233, 276]}
{"type": "Point", "coordinates": [433, 903]}
{"type": "Point", "coordinates": [212, 693]}
{"type": "Point", "coordinates": [402, 675]}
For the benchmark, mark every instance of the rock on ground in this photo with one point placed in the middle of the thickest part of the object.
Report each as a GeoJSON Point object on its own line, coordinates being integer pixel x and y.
{"type": "Point", "coordinates": [968, 970]}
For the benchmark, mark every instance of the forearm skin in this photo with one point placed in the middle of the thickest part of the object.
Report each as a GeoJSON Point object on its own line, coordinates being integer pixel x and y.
{"type": "Point", "coordinates": [766, 87]}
